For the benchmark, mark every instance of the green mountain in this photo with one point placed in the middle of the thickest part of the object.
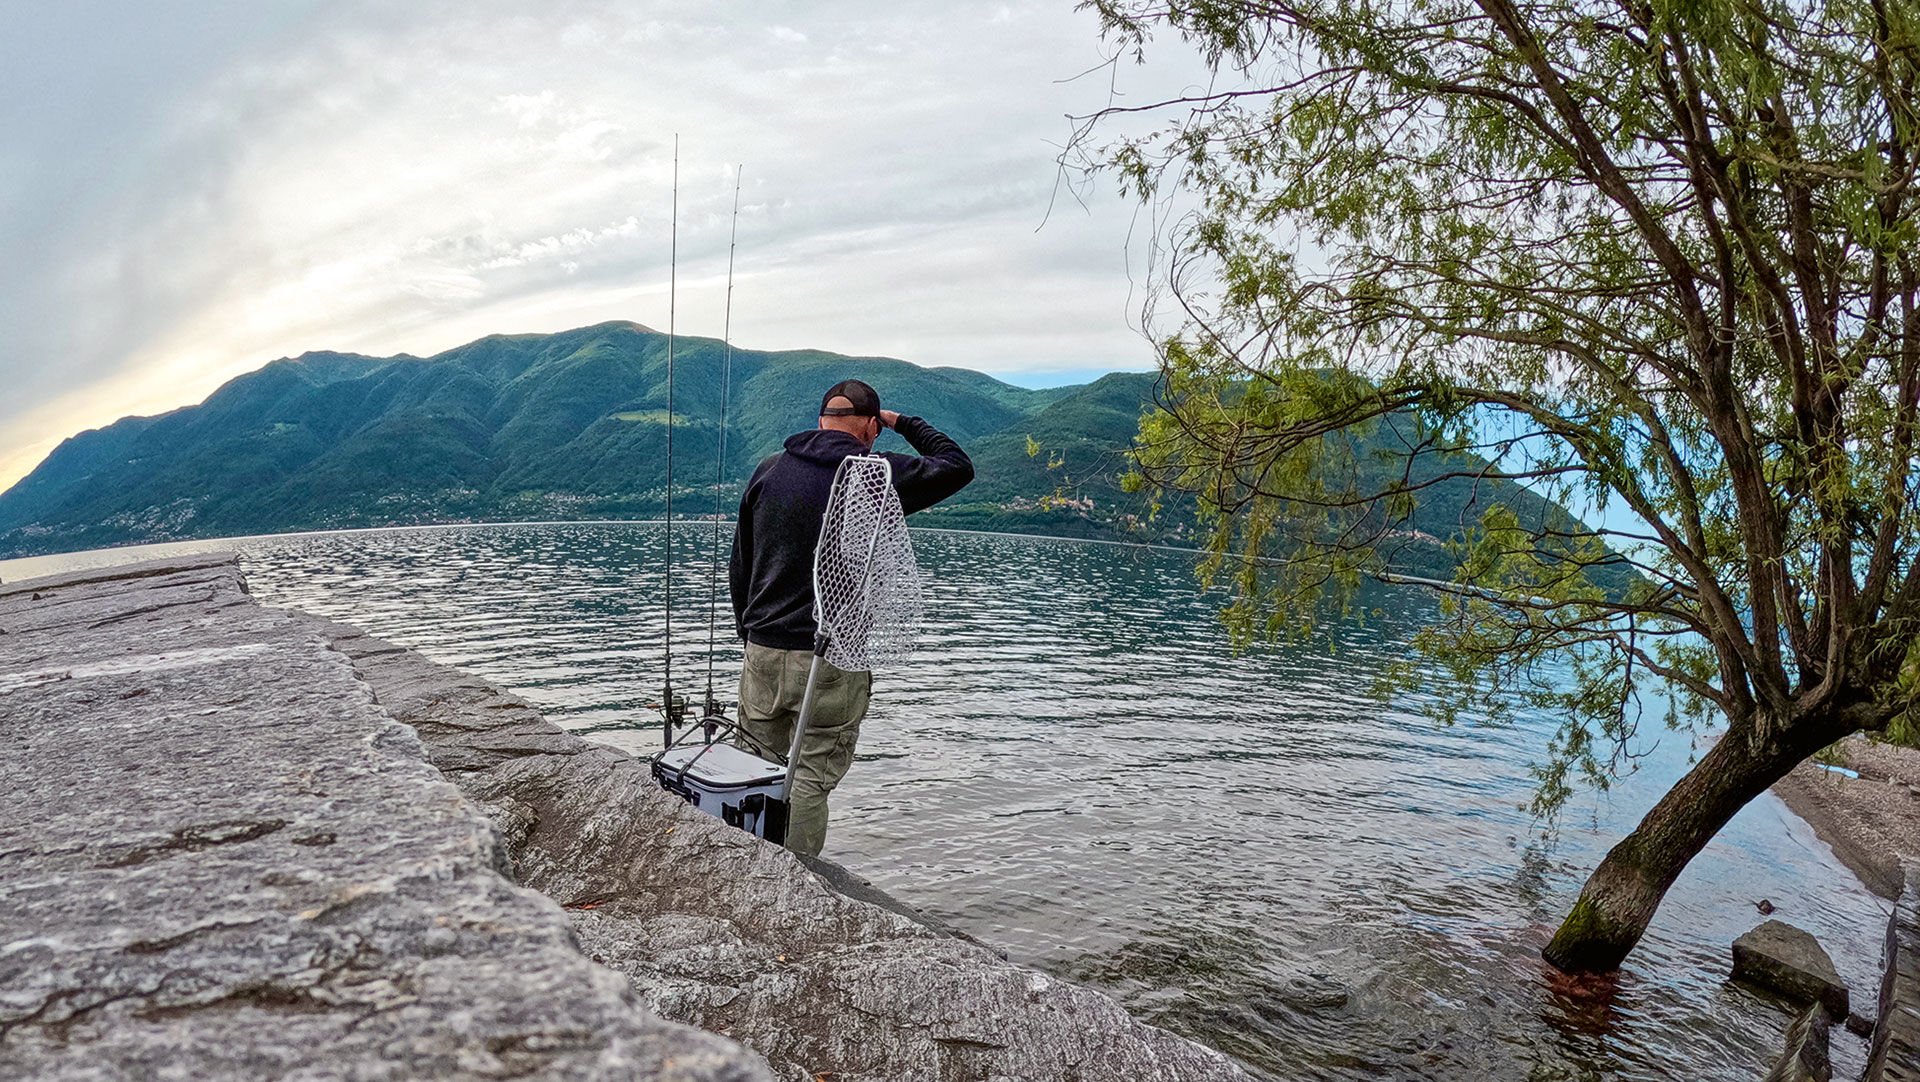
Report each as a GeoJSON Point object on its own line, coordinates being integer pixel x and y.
{"type": "Point", "coordinates": [573, 425]}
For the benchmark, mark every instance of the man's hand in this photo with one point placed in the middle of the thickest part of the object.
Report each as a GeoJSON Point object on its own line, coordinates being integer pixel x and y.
{"type": "Point", "coordinates": [889, 418]}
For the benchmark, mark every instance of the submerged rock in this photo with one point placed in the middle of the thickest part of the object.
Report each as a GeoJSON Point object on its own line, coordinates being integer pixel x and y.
{"type": "Point", "coordinates": [1315, 992]}
{"type": "Point", "coordinates": [1784, 959]}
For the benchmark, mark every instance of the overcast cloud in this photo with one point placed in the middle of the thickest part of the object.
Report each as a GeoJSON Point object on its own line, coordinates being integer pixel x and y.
{"type": "Point", "coordinates": [191, 190]}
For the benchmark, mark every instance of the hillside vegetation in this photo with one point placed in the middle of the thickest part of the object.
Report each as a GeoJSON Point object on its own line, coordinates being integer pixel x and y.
{"type": "Point", "coordinates": [573, 425]}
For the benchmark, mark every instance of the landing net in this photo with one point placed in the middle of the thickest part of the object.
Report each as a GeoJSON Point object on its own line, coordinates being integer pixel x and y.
{"type": "Point", "coordinates": [866, 585]}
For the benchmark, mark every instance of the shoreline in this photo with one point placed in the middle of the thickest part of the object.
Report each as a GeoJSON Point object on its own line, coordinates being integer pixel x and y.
{"type": "Point", "coordinates": [1872, 823]}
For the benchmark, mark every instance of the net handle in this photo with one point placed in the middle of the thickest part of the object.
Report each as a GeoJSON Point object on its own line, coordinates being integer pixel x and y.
{"type": "Point", "coordinates": [806, 716]}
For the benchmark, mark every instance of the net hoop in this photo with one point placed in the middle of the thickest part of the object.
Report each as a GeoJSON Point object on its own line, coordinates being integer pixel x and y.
{"type": "Point", "coordinates": [866, 583]}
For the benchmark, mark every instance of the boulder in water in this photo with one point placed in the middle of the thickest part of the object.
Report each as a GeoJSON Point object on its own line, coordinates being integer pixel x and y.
{"type": "Point", "coordinates": [1784, 959]}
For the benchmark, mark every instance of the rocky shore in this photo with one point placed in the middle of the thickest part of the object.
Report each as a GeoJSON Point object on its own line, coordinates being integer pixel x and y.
{"type": "Point", "coordinates": [1871, 821]}
{"type": "Point", "coordinates": [242, 842]}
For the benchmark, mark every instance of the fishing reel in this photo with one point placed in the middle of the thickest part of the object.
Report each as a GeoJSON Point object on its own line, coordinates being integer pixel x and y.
{"type": "Point", "coordinates": [675, 709]}
{"type": "Point", "coordinates": [713, 715]}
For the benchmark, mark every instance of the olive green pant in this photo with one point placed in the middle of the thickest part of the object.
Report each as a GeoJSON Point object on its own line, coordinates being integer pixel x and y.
{"type": "Point", "coordinates": [771, 684]}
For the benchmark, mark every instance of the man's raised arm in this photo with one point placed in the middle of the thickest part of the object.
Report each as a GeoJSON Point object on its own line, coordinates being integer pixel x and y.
{"type": "Point", "coordinates": [940, 470]}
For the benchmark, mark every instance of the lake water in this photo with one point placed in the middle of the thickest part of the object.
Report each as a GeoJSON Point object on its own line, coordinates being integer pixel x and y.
{"type": "Point", "coordinates": [1076, 767]}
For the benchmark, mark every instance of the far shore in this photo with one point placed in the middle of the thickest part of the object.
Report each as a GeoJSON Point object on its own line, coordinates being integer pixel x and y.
{"type": "Point", "coordinates": [1872, 822]}
{"type": "Point", "coordinates": [32, 565]}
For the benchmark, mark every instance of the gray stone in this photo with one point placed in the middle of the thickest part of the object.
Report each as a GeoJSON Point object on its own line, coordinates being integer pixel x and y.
{"type": "Point", "coordinates": [1784, 959]}
{"type": "Point", "coordinates": [1896, 1036]}
{"type": "Point", "coordinates": [799, 961]}
{"type": "Point", "coordinates": [220, 858]}
{"type": "Point", "coordinates": [1806, 1056]}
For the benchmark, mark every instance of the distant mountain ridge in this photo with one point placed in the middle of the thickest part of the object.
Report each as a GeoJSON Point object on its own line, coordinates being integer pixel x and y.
{"type": "Point", "coordinates": [573, 425]}
{"type": "Point", "coordinates": [565, 425]}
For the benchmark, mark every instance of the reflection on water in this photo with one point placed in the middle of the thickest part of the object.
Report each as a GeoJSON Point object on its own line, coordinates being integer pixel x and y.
{"type": "Point", "coordinates": [1248, 850]}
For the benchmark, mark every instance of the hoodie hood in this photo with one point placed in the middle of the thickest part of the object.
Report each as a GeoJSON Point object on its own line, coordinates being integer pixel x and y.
{"type": "Point", "coordinates": [826, 446]}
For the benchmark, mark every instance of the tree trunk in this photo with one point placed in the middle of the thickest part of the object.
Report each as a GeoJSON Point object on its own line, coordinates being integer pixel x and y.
{"type": "Point", "coordinates": [1621, 895]}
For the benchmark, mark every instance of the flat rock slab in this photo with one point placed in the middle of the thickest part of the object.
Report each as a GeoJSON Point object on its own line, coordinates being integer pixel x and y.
{"type": "Point", "coordinates": [1784, 959]}
{"type": "Point", "coordinates": [1806, 1057]}
{"type": "Point", "coordinates": [221, 858]}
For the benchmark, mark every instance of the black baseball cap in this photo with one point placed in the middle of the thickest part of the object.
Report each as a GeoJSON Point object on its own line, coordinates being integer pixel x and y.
{"type": "Point", "coordinates": [866, 400]}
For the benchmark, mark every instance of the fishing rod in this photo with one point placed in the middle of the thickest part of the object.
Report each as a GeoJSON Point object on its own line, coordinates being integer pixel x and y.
{"type": "Point", "coordinates": [720, 458]}
{"type": "Point", "coordinates": [671, 712]}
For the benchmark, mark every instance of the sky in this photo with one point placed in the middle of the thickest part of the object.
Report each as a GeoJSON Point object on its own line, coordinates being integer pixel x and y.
{"type": "Point", "coordinates": [190, 190]}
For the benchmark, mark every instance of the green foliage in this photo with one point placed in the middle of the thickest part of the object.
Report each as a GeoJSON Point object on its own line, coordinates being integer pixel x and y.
{"type": "Point", "coordinates": [1658, 260]}
{"type": "Point", "coordinates": [1903, 732]}
{"type": "Point", "coordinates": [1904, 726]}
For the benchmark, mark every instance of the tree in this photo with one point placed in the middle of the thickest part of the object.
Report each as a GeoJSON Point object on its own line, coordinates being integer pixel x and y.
{"type": "Point", "coordinates": [1655, 257]}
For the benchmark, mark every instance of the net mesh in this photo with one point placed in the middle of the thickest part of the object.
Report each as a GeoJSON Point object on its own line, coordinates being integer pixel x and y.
{"type": "Point", "coordinates": [866, 585]}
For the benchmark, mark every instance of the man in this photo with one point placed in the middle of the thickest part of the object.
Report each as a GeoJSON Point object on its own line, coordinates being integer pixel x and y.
{"type": "Point", "coordinates": [771, 578]}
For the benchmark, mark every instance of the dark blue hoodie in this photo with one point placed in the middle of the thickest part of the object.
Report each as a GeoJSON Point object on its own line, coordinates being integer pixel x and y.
{"type": "Point", "coordinates": [771, 574]}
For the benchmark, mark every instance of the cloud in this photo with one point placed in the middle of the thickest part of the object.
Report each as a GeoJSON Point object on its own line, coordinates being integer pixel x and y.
{"type": "Point", "coordinates": [528, 110]}
{"type": "Point", "coordinates": [446, 286]}
{"type": "Point", "coordinates": [189, 201]}
{"type": "Point", "coordinates": [568, 243]}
